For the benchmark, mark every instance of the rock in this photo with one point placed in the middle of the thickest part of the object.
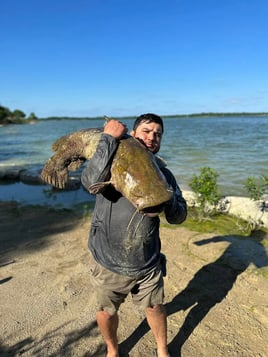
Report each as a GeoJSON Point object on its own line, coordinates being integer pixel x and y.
{"type": "Point", "coordinates": [74, 183]}
{"type": "Point", "coordinates": [2, 173]}
{"type": "Point", "coordinates": [254, 212]}
{"type": "Point", "coordinates": [10, 173]}
{"type": "Point", "coordinates": [31, 176]}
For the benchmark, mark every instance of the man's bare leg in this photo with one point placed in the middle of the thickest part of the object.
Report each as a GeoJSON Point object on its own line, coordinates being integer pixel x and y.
{"type": "Point", "coordinates": [108, 325]}
{"type": "Point", "coordinates": [157, 320]}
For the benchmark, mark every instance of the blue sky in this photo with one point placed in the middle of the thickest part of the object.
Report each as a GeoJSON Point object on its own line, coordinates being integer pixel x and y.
{"type": "Point", "coordinates": [122, 57]}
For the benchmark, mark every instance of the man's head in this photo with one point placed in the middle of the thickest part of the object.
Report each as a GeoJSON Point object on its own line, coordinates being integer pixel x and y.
{"type": "Point", "coordinates": [149, 128]}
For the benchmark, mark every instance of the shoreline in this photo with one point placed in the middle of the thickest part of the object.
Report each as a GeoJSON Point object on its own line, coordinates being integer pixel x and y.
{"type": "Point", "coordinates": [133, 117]}
{"type": "Point", "coordinates": [253, 212]}
{"type": "Point", "coordinates": [25, 187]}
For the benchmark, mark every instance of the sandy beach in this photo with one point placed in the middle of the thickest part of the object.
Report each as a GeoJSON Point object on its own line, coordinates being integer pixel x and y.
{"type": "Point", "coordinates": [216, 291]}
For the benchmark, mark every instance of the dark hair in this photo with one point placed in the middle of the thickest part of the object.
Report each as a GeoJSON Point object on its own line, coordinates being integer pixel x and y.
{"type": "Point", "coordinates": [148, 118]}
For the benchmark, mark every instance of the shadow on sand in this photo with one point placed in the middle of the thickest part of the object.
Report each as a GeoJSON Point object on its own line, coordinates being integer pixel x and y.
{"type": "Point", "coordinates": [28, 228]}
{"type": "Point", "coordinates": [209, 286]}
{"type": "Point", "coordinates": [42, 347]}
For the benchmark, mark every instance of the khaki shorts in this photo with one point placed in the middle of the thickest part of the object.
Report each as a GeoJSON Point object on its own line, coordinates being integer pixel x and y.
{"type": "Point", "coordinates": [111, 289]}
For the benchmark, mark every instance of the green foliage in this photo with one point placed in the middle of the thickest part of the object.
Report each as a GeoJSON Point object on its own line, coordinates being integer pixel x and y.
{"type": "Point", "coordinates": [18, 114]}
{"type": "Point", "coordinates": [256, 188]}
{"type": "Point", "coordinates": [15, 117]}
{"type": "Point", "coordinates": [206, 189]}
{"type": "Point", "coordinates": [4, 114]}
{"type": "Point", "coordinates": [32, 116]}
{"type": "Point", "coordinates": [220, 223]}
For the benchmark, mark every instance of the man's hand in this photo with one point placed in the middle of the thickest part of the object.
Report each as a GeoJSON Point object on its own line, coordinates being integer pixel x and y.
{"type": "Point", "coordinates": [115, 128]}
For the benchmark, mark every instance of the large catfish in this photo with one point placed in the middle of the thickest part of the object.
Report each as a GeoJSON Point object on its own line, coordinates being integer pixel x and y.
{"type": "Point", "coordinates": [134, 171]}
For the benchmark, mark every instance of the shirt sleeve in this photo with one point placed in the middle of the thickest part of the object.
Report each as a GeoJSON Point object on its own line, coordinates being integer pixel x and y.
{"type": "Point", "coordinates": [176, 209]}
{"type": "Point", "coordinates": [98, 168]}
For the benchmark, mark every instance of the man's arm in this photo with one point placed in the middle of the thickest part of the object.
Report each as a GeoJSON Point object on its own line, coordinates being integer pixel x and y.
{"type": "Point", "coordinates": [176, 209]}
{"type": "Point", "coordinates": [98, 168]}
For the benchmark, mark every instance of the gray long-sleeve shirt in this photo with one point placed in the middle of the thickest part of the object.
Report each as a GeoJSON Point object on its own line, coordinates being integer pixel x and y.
{"type": "Point", "coordinates": [122, 239]}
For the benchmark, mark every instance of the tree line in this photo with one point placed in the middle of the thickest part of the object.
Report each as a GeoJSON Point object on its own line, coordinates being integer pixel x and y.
{"type": "Point", "coordinates": [16, 116]}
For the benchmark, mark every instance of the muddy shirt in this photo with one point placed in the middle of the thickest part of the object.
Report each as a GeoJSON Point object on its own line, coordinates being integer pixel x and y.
{"type": "Point", "coordinates": [122, 239]}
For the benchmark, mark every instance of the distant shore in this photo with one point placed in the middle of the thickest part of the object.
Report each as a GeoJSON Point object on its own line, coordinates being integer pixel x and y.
{"type": "Point", "coordinates": [175, 116]}
{"type": "Point", "coordinates": [192, 115]}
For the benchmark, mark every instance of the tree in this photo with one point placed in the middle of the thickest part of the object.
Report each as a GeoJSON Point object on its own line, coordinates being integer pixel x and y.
{"type": "Point", "coordinates": [4, 114]}
{"type": "Point", "coordinates": [18, 114]}
{"type": "Point", "coordinates": [32, 116]}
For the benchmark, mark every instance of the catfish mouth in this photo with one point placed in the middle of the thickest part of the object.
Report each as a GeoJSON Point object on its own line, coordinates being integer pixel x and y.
{"type": "Point", "coordinates": [140, 141]}
{"type": "Point", "coordinates": [150, 148]}
{"type": "Point", "coordinates": [153, 211]}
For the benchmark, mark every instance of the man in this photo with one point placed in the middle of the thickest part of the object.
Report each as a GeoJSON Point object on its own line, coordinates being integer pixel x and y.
{"type": "Point", "coordinates": [124, 243]}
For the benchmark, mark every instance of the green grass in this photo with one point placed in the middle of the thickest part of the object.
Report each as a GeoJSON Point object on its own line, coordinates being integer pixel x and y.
{"type": "Point", "coordinates": [220, 224]}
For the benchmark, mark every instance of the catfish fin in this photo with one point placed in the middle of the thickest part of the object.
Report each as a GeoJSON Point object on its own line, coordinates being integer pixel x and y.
{"type": "Point", "coordinates": [106, 119]}
{"type": "Point", "coordinates": [98, 187]}
{"type": "Point", "coordinates": [76, 164]}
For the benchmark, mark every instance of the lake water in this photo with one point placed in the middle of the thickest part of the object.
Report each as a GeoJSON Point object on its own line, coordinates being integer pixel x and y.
{"type": "Point", "coordinates": [236, 147]}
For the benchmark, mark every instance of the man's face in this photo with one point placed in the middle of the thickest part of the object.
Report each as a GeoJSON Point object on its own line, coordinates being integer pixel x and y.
{"type": "Point", "coordinates": [150, 134]}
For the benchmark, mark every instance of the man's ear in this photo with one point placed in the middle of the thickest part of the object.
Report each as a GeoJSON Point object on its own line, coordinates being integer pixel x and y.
{"type": "Point", "coordinates": [132, 133]}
